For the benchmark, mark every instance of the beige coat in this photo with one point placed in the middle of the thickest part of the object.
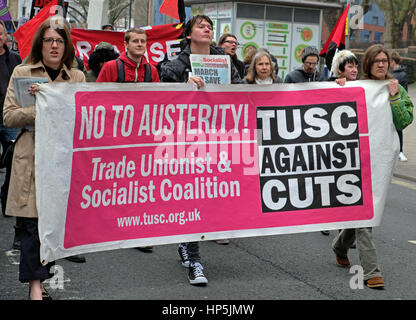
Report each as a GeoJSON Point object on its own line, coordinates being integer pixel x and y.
{"type": "Point", "coordinates": [21, 199]}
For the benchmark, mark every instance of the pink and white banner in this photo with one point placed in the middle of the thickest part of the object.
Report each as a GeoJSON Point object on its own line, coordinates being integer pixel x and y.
{"type": "Point", "coordinates": [121, 165]}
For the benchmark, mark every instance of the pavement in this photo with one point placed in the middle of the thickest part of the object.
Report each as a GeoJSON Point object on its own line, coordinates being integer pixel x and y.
{"type": "Point", "coordinates": [407, 170]}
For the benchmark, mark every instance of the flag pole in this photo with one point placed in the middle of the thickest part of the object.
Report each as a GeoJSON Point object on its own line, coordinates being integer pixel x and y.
{"type": "Point", "coordinates": [14, 26]}
{"type": "Point", "coordinates": [149, 13]}
{"type": "Point", "coordinates": [347, 28]}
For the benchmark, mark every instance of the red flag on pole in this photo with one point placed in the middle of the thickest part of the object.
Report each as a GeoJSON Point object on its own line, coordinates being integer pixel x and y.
{"type": "Point", "coordinates": [174, 9]}
{"type": "Point", "coordinates": [170, 8]}
{"type": "Point", "coordinates": [24, 34]}
{"type": "Point", "coordinates": [336, 39]}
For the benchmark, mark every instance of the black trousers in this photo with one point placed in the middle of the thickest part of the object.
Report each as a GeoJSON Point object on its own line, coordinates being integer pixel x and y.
{"type": "Point", "coordinates": [400, 133]}
{"type": "Point", "coordinates": [193, 251]}
{"type": "Point", "coordinates": [30, 267]}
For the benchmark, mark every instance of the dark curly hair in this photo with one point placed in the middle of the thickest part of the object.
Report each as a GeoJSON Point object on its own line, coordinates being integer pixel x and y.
{"type": "Point", "coordinates": [98, 56]}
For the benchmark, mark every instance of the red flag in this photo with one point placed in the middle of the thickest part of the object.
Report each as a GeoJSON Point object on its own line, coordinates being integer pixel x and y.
{"type": "Point", "coordinates": [24, 34]}
{"type": "Point", "coordinates": [336, 39]}
{"type": "Point", "coordinates": [174, 9]}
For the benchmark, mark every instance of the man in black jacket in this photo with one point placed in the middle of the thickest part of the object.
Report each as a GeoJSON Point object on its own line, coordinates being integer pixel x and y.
{"type": "Point", "coordinates": [198, 34]}
{"type": "Point", "coordinates": [8, 61]}
{"type": "Point", "coordinates": [308, 72]}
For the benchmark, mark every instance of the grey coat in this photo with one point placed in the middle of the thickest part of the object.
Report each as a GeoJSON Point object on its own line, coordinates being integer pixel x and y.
{"type": "Point", "coordinates": [299, 75]}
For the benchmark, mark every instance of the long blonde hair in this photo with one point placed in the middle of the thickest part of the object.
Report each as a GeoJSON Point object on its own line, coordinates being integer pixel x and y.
{"type": "Point", "coordinates": [251, 74]}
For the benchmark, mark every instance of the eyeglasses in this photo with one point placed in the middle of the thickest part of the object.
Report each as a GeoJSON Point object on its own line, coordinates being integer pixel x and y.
{"type": "Point", "coordinates": [310, 63]}
{"type": "Point", "coordinates": [383, 61]}
{"type": "Point", "coordinates": [232, 42]}
{"type": "Point", "coordinates": [50, 41]}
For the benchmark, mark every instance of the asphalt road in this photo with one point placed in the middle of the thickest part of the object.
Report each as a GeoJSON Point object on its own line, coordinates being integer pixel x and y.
{"type": "Point", "coordinates": [285, 267]}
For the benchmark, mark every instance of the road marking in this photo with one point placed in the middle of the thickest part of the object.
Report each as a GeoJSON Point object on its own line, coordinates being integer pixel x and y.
{"type": "Point", "coordinates": [412, 241]}
{"type": "Point", "coordinates": [404, 183]}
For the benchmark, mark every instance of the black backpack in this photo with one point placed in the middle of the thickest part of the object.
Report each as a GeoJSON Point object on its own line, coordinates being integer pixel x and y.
{"type": "Point", "coordinates": [121, 75]}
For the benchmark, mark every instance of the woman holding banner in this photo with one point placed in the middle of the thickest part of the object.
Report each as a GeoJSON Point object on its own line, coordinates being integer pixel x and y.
{"type": "Point", "coordinates": [51, 57]}
{"type": "Point", "coordinates": [376, 63]}
{"type": "Point", "coordinates": [261, 70]}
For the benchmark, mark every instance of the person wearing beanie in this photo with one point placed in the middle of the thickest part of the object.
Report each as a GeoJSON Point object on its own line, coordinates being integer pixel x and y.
{"type": "Point", "coordinates": [308, 72]}
{"type": "Point", "coordinates": [107, 27]}
{"type": "Point", "coordinates": [102, 53]}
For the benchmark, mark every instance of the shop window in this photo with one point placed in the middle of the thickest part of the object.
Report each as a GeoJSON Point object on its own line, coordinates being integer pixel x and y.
{"type": "Point", "coordinates": [279, 13]}
{"type": "Point", "coordinates": [250, 11]}
{"type": "Point", "coordinates": [307, 15]}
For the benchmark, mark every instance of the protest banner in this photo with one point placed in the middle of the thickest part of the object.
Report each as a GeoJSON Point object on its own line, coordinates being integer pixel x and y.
{"type": "Point", "coordinates": [127, 165]}
{"type": "Point", "coordinates": [161, 41]}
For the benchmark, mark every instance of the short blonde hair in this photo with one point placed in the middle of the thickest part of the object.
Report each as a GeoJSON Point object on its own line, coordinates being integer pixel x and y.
{"type": "Point", "coordinates": [133, 30]}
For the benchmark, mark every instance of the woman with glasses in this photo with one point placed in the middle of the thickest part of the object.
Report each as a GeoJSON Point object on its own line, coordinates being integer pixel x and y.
{"type": "Point", "coordinates": [375, 66]}
{"type": "Point", "coordinates": [229, 43]}
{"type": "Point", "coordinates": [51, 57]}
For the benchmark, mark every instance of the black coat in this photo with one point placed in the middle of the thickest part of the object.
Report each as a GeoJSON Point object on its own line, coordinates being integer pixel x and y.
{"type": "Point", "coordinates": [400, 74]}
{"type": "Point", "coordinates": [12, 60]}
{"type": "Point", "coordinates": [177, 70]}
{"type": "Point", "coordinates": [239, 65]}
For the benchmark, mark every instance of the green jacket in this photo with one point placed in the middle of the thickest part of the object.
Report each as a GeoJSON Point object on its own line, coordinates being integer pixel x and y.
{"type": "Point", "coordinates": [402, 109]}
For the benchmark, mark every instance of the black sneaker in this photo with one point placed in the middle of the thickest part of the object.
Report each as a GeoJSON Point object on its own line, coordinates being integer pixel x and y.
{"type": "Point", "coordinates": [183, 254]}
{"type": "Point", "coordinates": [196, 276]}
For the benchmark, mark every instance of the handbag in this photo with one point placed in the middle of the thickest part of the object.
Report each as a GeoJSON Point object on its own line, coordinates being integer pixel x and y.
{"type": "Point", "coordinates": [6, 157]}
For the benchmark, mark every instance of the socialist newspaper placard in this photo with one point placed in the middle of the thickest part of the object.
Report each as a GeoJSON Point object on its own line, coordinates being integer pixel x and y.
{"type": "Point", "coordinates": [121, 165]}
{"type": "Point", "coordinates": [213, 69]}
